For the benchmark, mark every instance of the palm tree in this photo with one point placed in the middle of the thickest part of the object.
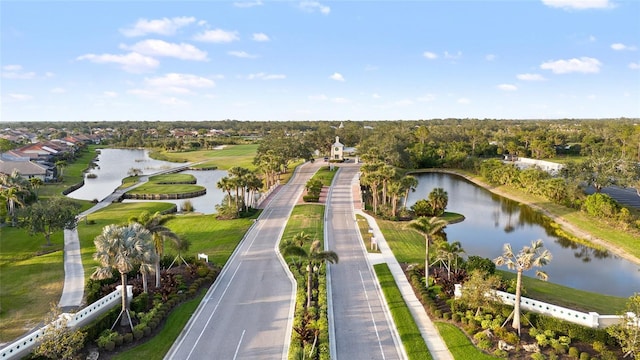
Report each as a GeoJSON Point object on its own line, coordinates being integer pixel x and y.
{"type": "Point", "coordinates": [448, 254]}
{"type": "Point", "coordinates": [35, 184]}
{"type": "Point", "coordinates": [409, 183]}
{"type": "Point", "coordinates": [427, 227]}
{"type": "Point", "coordinates": [439, 199]}
{"type": "Point", "coordinates": [530, 256]}
{"type": "Point", "coordinates": [121, 248]}
{"type": "Point", "coordinates": [225, 184]}
{"type": "Point", "coordinates": [155, 224]}
{"type": "Point", "coordinates": [12, 196]}
{"type": "Point", "coordinates": [314, 257]}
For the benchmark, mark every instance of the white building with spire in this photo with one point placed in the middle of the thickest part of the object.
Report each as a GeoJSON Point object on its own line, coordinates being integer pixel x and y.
{"type": "Point", "coordinates": [337, 150]}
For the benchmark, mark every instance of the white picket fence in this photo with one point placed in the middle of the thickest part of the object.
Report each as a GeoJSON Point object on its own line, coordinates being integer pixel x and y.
{"type": "Point", "coordinates": [590, 319]}
{"type": "Point", "coordinates": [25, 345]}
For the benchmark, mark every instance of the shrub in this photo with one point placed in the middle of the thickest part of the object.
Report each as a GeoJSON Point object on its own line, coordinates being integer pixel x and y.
{"type": "Point", "coordinates": [456, 317]}
{"type": "Point", "coordinates": [538, 356]}
{"type": "Point", "coordinates": [438, 314]}
{"type": "Point", "coordinates": [446, 316]}
{"type": "Point", "coordinates": [187, 206]}
{"type": "Point", "coordinates": [598, 346]}
{"type": "Point", "coordinates": [585, 356]}
{"type": "Point", "coordinates": [128, 338]}
{"type": "Point", "coordinates": [501, 353]}
{"type": "Point", "coordinates": [542, 340]}
{"type": "Point", "coordinates": [485, 344]}
{"type": "Point", "coordinates": [574, 352]}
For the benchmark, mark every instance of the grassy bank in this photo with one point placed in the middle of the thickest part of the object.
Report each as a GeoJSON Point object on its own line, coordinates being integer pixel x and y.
{"type": "Point", "coordinates": [409, 333]}
{"type": "Point", "coordinates": [223, 159]}
{"type": "Point", "coordinates": [459, 344]}
{"type": "Point", "coordinates": [408, 247]}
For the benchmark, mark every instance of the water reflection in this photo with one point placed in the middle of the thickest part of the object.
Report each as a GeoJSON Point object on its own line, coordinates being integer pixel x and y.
{"type": "Point", "coordinates": [491, 221]}
{"type": "Point", "coordinates": [112, 166]}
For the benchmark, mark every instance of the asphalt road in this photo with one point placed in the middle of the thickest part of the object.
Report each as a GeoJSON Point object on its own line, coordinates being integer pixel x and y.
{"type": "Point", "coordinates": [247, 314]}
{"type": "Point", "coordinates": [362, 327]}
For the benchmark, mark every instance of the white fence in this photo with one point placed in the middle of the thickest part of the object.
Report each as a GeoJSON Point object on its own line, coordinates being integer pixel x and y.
{"type": "Point", "coordinates": [25, 345]}
{"type": "Point", "coordinates": [590, 319]}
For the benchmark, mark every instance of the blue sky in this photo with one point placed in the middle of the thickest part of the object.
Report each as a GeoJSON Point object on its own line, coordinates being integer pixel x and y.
{"type": "Point", "coordinates": [327, 60]}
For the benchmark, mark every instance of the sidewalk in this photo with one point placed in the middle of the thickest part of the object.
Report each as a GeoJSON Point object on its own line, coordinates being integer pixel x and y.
{"type": "Point", "coordinates": [430, 334]}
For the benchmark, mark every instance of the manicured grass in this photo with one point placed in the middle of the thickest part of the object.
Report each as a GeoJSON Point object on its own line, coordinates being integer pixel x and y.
{"type": "Point", "coordinates": [173, 178]}
{"type": "Point", "coordinates": [216, 238]}
{"type": "Point", "coordinates": [459, 344]}
{"type": "Point", "coordinates": [129, 181]}
{"type": "Point", "coordinates": [158, 346]}
{"type": "Point", "coordinates": [325, 175]}
{"type": "Point", "coordinates": [155, 188]}
{"type": "Point", "coordinates": [363, 226]}
{"type": "Point", "coordinates": [407, 329]}
{"type": "Point", "coordinates": [117, 213]}
{"type": "Point", "coordinates": [29, 287]}
{"type": "Point", "coordinates": [307, 218]}
{"type": "Point", "coordinates": [73, 174]}
{"type": "Point", "coordinates": [406, 244]}
{"type": "Point", "coordinates": [231, 155]}
{"type": "Point", "coordinates": [571, 298]}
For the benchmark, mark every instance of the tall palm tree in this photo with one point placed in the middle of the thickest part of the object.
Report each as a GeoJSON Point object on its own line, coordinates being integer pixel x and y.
{"type": "Point", "coordinates": [439, 200]}
{"type": "Point", "coordinates": [409, 183]}
{"type": "Point", "coordinates": [427, 227]}
{"type": "Point", "coordinates": [314, 257]}
{"type": "Point", "coordinates": [529, 257]}
{"type": "Point", "coordinates": [225, 184]}
{"type": "Point", "coordinates": [448, 254]}
{"type": "Point", "coordinates": [35, 184]}
{"type": "Point", "coordinates": [155, 224]}
{"type": "Point", "coordinates": [121, 248]}
{"type": "Point", "coordinates": [12, 197]}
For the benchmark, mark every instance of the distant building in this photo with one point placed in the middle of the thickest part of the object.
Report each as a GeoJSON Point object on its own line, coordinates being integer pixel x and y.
{"type": "Point", "coordinates": [337, 150]}
{"type": "Point", "coordinates": [25, 168]}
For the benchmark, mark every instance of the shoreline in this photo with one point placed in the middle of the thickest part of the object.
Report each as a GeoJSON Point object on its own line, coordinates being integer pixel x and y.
{"type": "Point", "coordinates": [563, 223]}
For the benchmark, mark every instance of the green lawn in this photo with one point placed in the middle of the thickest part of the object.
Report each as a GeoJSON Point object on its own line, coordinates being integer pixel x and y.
{"type": "Point", "coordinates": [157, 189]}
{"type": "Point", "coordinates": [325, 175]}
{"type": "Point", "coordinates": [407, 329]}
{"type": "Point", "coordinates": [173, 178]}
{"type": "Point", "coordinates": [363, 226]}
{"type": "Point", "coordinates": [231, 155]}
{"type": "Point", "coordinates": [307, 218]}
{"type": "Point", "coordinates": [459, 344]}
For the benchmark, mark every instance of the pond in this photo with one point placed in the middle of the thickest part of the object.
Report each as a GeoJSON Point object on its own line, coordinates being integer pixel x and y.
{"type": "Point", "coordinates": [113, 165]}
{"type": "Point", "coordinates": [491, 221]}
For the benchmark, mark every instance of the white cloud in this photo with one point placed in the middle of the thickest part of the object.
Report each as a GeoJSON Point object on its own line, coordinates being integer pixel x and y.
{"type": "Point", "coordinates": [12, 67]}
{"type": "Point", "coordinates": [340, 100]}
{"type": "Point", "coordinates": [592, 38]}
{"type": "Point", "coordinates": [313, 6]}
{"type": "Point", "coordinates": [109, 94]}
{"type": "Point", "coordinates": [490, 57]}
{"type": "Point", "coordinates": [426, 98]}
{"type": "Point", "coordinates": [152, 47]}
{"type": "Point", "coordinates": [403, 102]}
{"type": "Point", "coordinates": [173, 101]}
{"type": "Point", "coordinates": [261, 37]}
{"type": "Point", "coordinates": [247, 4]}
{"type": "Point", "coordinates": [18, 75]}
{"type": "Point", "coordinates": [507, 87]}
{"type": "Point", "coordinates": [376, 96]}
{"type": "Point", "coordinates": [530, 77]}
{"type": "Point", "coordinates": [370, 68]}
{"type": "Point", "coordinates": [263, 76]}
{"type": "Point", "coordinates": [429, 55]}
{"type": "Point", "coordinates": [591, 97]}
{"type": "Point", "coordinates": [164, 26]}
{"type": "Point", "coordinates": [337, 77]}
{"type": "Point", "coordinates": [578, 4]}
{"type": "Point", "coordinates": [634, 65]}
{"type": "Point", "coordinates": [131, 62]}
{"type": "Point", "coordinates": [619, 47]}
{"type": "Point", "coordinates": [176, 82]}
{"type": "Point", "coordinates": [321, 97]}
{"type": "Point", "coordinates": [49, 74]}
{"type": "Point", "coordinates": [19, 97]}
{"type": "Point", "coordinates": [217, 36]}
{"type": "Point", "coordinates": [585, 65]}
{"type": "Point", "coordinates": [58, 90]}
{"type": "Point", "coordinates": [464, 101]}
{"type": "Point", "coordinates": [455, 56]}
{"type": "Point", "coordinates": [242, 54]}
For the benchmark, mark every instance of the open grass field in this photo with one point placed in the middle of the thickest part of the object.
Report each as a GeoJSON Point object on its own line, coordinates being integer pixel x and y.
{"type": "Point", "coordinates": [156, 188]}
{"type": "Point", "coordinates": [363, 227]}
{"type": "Point", "coordinates": [229, 156]}
{"type": "Point", "coordinates": [407, 329]}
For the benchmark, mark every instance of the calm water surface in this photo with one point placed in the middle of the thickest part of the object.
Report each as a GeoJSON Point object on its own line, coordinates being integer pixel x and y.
{"type": "Point", "coordinates": [491, 221]}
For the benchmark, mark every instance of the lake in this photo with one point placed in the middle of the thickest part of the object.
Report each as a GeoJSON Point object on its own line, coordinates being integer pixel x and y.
{"type": "Point", "coordinates": [491, 221]}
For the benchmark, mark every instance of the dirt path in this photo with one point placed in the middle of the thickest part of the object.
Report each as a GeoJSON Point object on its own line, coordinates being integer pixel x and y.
{"type": "Point", "coordinates": [564, 224]}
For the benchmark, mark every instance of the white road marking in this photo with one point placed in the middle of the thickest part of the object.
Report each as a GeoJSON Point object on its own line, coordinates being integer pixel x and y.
{"type": "Point", "coordinates": [235, 355]}
{"type": "Point", "coordinates": [212, 312]}
{"type": "Point", "coordinates": [372, 317]}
